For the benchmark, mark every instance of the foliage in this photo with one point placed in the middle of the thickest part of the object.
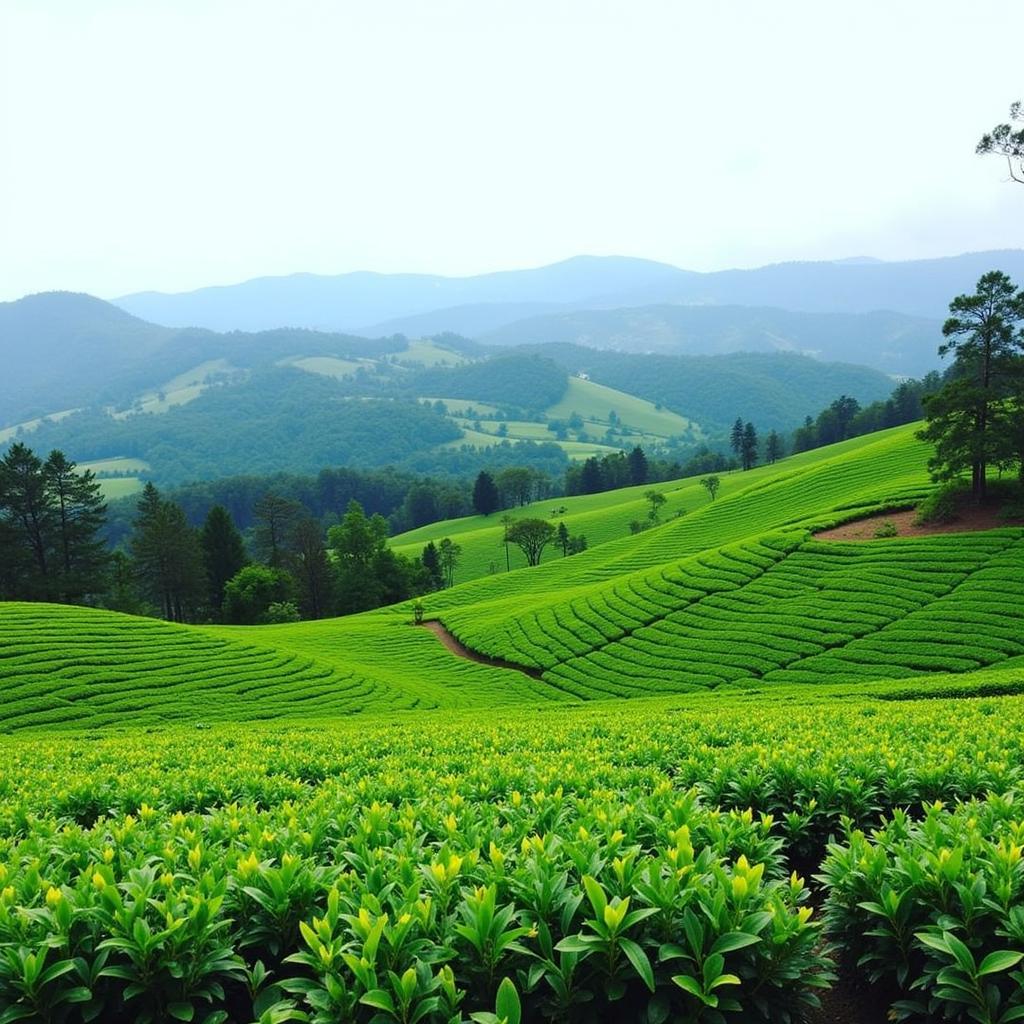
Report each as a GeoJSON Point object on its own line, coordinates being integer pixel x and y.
{"type": "Point", "coordinates": [50, 518]}
{"type": "Point", "coordinates": [971, 420]}
{"type": "Point", "coordinates": [1007, 141]}
{"type": "Point", "coordinates": [167, 557]}
{"type": "Point", "coordinates": [253, 591]}
{"type": "Point", "coordinates": [932, 907]}
{"type": "Point", "coordinates": [485, 494]}
{"type": "Point", "coordinates": [712, 484]}
{"type": "Point", "coordinates": [223, 552]}
{"type": "Point", "coordinates": [531, 536]}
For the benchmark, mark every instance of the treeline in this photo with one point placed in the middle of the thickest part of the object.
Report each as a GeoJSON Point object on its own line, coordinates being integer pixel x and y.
{"type": "Point", "coordinates": [845, 417]}
{"type": "Point", "coordinates": [291, 569]}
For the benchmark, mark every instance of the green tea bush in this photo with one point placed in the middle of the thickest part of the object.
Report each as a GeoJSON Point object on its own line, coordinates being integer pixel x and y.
{"type": "Point", "coordinates": [932, 909]}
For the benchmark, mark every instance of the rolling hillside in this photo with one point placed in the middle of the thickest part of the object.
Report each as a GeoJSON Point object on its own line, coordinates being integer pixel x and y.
{"type": "Point", "coordinates": [734, 593]}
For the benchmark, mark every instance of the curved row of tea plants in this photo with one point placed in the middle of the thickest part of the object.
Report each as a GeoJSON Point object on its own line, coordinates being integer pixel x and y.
{"type": "Point", "coordinates": [783, 609]}
{"type": "Point", "coordinates": [69, 667]}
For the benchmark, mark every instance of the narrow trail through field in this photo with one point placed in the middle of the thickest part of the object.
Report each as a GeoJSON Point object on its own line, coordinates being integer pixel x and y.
{"type": "Point", "coordinates": [462, 651]}
{"type": "Point", "coordinates": [968, 520]}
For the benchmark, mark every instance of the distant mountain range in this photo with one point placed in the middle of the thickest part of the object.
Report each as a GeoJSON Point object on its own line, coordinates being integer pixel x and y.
{"type": "Point", "coordinates": [422, 304]}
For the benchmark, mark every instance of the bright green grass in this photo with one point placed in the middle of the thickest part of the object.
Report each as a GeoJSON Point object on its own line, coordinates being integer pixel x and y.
{"type": "Point", "coordinates": [80, 666]}
{"type": "Point", "coordinates": [114, 487]}
{"type": "Point", "coordinates": [595, 401]}
{"type": "Point", "coordinates": [780, 609]}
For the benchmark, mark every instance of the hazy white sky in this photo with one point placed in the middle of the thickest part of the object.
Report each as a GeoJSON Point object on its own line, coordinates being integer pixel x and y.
{"type": "Point", "coordinates": [170, 145]}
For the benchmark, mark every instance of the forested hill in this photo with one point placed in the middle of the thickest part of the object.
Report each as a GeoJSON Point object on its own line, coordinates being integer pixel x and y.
{"type": "Point", "coordinates": [780, 389]}
{"type": "Point", "coordinates": [62, 350]}
{"type": "Point", "coordinates": [892, 342]}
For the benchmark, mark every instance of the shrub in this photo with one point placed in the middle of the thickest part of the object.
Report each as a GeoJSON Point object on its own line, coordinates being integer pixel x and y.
{"type": "Point", "coordinates": [886, 529]}
{"type": "Point", "coordinates": [942, 505]}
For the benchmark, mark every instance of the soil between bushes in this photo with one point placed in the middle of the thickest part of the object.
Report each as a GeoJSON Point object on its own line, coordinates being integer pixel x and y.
{"type": "Point", "coordinates": [968, 520]}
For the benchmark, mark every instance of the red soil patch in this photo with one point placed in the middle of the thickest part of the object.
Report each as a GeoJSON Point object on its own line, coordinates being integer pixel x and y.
{"type": "Point", "coordinates": [969, 519]}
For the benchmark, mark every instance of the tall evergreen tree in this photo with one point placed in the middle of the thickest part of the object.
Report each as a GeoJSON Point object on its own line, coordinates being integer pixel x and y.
{"type": "Point", "coordinates": [312, 569]}
{"type": "Point", "coordinates": [223, 553]}
{"type": "Point", "coordinates": [168, 558]}
{"type": "Point", "coordinates": [773, 448]}
{"type": "Point", "coordinates": [485, 494]}
{"type": "Point", "coordinates": [79, 513]}
{"type": "Point", "coordinates": [968, 416]}
{"type": "Point", "coordinates": [591, 477]}
{"type": "Point", "coordinates": [748, 450]}
{"type": "Point", "coordinates": [432, 564]}
{"type": "Point", "coordinates": [28, 510]}
{"type": "Point", "coordinates": [638, 468]}
{"type": "Point", "coordinates": [736, 437]}
{"type": "Point", "coordinates": [275, 519]}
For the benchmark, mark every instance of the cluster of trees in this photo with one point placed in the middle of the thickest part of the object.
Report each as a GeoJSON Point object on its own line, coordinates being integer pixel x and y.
{"type": "Point", "coordinates": [296, 571]}
{"type": "Point", "coordinates": [618, 469]}
{"type": "Point", "coordinates": [50, 520]}
{"type": "Point", "coordinates": [744, 442]}
{"type": "Point", "coordinates": [845, 417]}
{"type": "Point", "coordinates": [976, 418]}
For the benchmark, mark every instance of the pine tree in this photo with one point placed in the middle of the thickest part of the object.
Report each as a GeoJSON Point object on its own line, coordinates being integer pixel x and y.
{"type": "Point", "coordinates": [485, 494]}
{"type": "Point", "coordinates": [223, 553]}
{"type": "Point", "coordinates": [748, 450]}
{"type": "Point", "coordinates": [167, 556]}
{"type": "Point", "coordinates": [967, 417]}
{"type": "Point", "coordinates": [562, 539]}
{"type": "Point", "coordinates": [312, 569]}
{"type": "Point", "coordinates": [773, 448]}
{"type": "Point", "coordinates": [275, 519]}
{"type": "Point", "coordinates": [80, 556]}
{"type": "Point", "coordinates": [432, 565]}
{"type": "Point", "coordinates": [27, 509]}
{"type": "Point", "coordinates": [736, 437]}
{"type": "Point", "coordinates": [638, 468]}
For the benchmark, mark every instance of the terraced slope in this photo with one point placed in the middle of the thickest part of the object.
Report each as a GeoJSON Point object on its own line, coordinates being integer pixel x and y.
{"type": "Point", "coordinates": [780, 609]}
{"type": "Point", "coordinates": [81, 667]}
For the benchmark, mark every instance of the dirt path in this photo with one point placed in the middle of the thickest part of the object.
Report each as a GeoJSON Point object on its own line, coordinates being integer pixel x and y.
{"type": "Point", "coordinates": [968, 519]}
{"type": "Point", "coordinates": [462, 651]}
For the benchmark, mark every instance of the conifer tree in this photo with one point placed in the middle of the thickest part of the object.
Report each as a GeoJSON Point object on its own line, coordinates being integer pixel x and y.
{"type": "Point", "coordinates": [223, 553]}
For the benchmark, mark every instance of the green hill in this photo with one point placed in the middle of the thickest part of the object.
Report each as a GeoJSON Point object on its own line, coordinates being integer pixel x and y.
{"type": "Point", "coordinates": [735, 591]}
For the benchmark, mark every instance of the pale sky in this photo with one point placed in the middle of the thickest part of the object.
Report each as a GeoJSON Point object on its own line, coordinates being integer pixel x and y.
{"type": "Point", "coordinates": [170, 145]}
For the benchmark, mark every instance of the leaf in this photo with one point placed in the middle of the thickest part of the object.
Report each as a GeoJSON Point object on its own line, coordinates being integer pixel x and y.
{"type": "Point", "coordinates": [688, 984]}
{"type": "Point", "coordinates": [507, 1005]}
{"type": "Point", "coordinates": [729, 941]}
{"type": "Point", "coordinates": [181, 1011]}
{"type": "Point", "coordinates": [638, 958]}
{"type": "Point", "coordinates": [1001, 960]}
{"type": "Point", "coordinates": [596, 895]}
{"type": "Point", "coordinates": [379, 999]}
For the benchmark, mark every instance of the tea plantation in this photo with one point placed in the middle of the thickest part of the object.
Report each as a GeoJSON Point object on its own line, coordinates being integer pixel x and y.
{"type": "Point", "coordinates": [816, 776]}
